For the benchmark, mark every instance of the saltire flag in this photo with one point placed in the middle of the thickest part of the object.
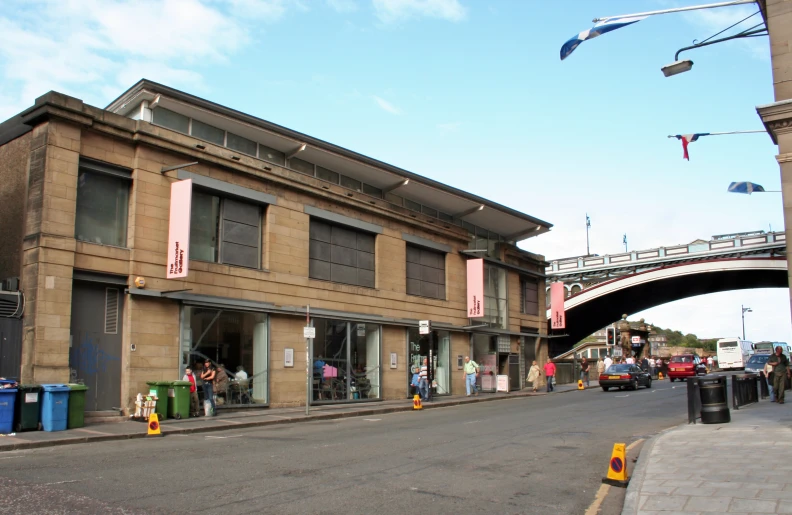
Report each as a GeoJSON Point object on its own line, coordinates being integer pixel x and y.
{"type": "Point", "coordinates": [687, 139]}
{"type": "Point", "coordinates": [745, 187]}
{"type": "Point", "coordinates": [597, 30]}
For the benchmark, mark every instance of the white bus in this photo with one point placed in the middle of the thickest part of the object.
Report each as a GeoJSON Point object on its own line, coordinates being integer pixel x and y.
{"type": "Point", "coordinates": [733, 353]}
{"type": "Point", "coordinates": [769, 348]}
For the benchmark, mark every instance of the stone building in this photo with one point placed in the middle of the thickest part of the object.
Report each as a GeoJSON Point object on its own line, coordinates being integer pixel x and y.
{"type": "Point", "coordinates": [278, 221]}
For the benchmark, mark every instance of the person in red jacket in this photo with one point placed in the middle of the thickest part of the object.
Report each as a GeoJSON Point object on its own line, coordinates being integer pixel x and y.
{"type": "Point", "coordinates": [189, 376]}
{"type": "Point", "coordinates": [550, 370]}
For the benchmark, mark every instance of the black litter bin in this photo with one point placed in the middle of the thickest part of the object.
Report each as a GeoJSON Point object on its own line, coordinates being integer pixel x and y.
{"type": "Point", "coordinates": [714, 404]}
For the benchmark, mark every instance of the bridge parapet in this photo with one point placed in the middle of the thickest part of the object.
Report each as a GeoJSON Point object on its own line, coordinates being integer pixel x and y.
{"type": "Point", "coordinates": [743, 243]}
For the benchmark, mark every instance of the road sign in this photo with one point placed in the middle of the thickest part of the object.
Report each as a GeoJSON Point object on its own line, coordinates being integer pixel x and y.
{"type": "Point", "coordinates": [617, 350]}
{"type": "Point", "coordinates": [309, 332]}
{"type": "Point", "coordinates": [424, 327]}
{"type": "Point", "coordinates": [635, 339]}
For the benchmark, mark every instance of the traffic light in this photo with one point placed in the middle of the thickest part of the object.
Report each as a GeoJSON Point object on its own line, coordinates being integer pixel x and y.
{"type": "Point", "coordinates": [610, 336]}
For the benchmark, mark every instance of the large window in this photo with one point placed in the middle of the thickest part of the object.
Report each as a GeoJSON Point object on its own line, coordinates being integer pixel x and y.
{"type": "Point", "coordinates": [496, 304]}
{"type": "Point", "coordinates": [346, 361]}
{"type": "Point", "coordinates": [224, 230]}
{"type": "Point", "coordinates": [341, 254]}
{"type": "Point", "coordinates": [102, 207]}
{"type": "Point", "coordinates": [234, 340]}
{"type": "Point", "coordinates": [425, 272]}
{"type": "Point", "coordinates": [529, 296]}
{"type": "Point", "coordinates": [436, 348]}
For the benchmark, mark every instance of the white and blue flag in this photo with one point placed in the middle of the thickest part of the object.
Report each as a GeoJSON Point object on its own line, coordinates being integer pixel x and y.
{"type": "Point", "coordinates": [597, 30]}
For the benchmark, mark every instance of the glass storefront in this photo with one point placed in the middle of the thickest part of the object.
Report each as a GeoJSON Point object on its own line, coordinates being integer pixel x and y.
{"type": "Point", "coordinates": [486, 355]}
{"type": "Point", "coordinates": [436, 347]}
{"type": "Point", "coordinates": [238, 342]}
{"type": "Point", "coordinates": [346, 361]}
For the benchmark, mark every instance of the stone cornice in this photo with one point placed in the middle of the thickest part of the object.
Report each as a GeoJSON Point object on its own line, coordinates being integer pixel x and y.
{"type": "Point", "coordinates": [777, 118]}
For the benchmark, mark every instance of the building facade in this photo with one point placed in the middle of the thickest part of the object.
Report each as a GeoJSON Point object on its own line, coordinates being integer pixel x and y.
{"type": "Point", "coordinates": [285, 231]}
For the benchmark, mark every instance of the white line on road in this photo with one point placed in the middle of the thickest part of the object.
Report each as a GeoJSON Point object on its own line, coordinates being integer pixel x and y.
{"type": "Point", "coordinates": [471, 422]}
{"type": "Point", "coordinates": [622, 395]}
{"type": "Point", "coordinates": [372, 419]}
{"type": "Point", "coordinates": [223, 437]}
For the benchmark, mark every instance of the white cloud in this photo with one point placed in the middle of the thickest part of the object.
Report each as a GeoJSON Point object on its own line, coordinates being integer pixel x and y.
{"type": "Point", "coordinates": [386, 106]}
{"type": "Point", "coordinates": [343, 6]}
{"type": "Point", "coordinates": [392, 11]}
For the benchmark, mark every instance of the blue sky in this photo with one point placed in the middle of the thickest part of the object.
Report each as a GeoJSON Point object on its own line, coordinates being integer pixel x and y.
{"type": "Point", "coordinates": [468, 92]}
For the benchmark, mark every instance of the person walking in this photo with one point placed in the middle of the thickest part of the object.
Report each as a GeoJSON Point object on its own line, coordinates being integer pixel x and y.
{"type": "Point", "coordinates": [600, 367]}
{"type": "Point", "coordinates": [550, 370]}
{"type": "Point", "coordinates": [189, 376]}
{"type": "Point", "coordinates": [584, 371]}
{"type": "Point", "coordinates": [768, 378]}
{"type": "Point", "coordinates": [471, 372]}
{"type": "Point", "coordinates": [780, 371]}
{"type": "Point", "coordinates": [424, 382]}
{"type": "Point", "coordinates": [653, 366]}
{"type": "Point", "coordinates": [607, 362]}
{"type": "Point", "coordinates": [534, 373]}
{"type": "Point", "coordinates": [207, 376]}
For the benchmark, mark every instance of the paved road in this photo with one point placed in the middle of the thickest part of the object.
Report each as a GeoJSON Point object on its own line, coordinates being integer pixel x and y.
{"type": "Point", "coordinates": [530, 455]}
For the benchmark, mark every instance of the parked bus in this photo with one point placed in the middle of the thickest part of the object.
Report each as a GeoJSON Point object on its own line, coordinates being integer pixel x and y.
{"type": "Point", "coordinates": [733, 353]}
{"type": "Point", "coordinates": [769, 348]}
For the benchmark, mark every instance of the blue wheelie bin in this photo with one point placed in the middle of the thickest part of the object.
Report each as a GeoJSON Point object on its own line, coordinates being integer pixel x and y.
{"type": "Point", "coordinates": [7, 400]}
{"type": "Point", "coordinates": [55, 407]}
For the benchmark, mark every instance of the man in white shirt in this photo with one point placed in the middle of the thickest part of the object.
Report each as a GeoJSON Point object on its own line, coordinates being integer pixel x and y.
{"type": "Point", "coordinates": [608, 362]}
{"type": "Point", "coordinates": [630, 360]}
{"type": "Point", "coordinates": [240, 373]}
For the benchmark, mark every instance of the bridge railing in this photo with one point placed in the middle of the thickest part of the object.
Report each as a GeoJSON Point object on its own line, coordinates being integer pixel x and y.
{"type": "Point", "coordinates": [637, 256]}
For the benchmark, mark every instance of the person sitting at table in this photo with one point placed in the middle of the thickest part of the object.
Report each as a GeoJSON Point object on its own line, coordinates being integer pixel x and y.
{"type": "Point", "coordinates": [240, 373]}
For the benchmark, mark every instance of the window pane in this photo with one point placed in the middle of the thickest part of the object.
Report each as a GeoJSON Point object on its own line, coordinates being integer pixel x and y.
{"type": "Point", "coordinates": [409, 204]}
{"type": "Point", "coordinates": [429, 211]}
{"type": "Point", "coordinates": [241, 233]}
{"type": "Point", "coordinates": [208, 132]}
{"type": "Point", "coordinates": [330, 361]}
{"type": "Point", "coordinates": [365, 361]}
{"type": "Point", "coordinates": [171, 120]}
{"type": "Point", "coordinates": [102, 206]}
{"type": "Point", "coordinates": [394, 199]}
{"type": "Point", "coordinates": [371, 190]}
{"type": "Point", "coordinates": [204, 223]}
{"type": "Point", "coordinates": [350, 183]}
{"type": "Point", "coordinates": [446, 217]}
{"type": "Point", "coordinates": [327, 175]}
{"type": "Point", "coordinates": [271, 155]}
{"type": "Point", "coordinates": [241, 144]}
{"type": "Point", "coordinates": [495, 301]}
{"type": "Point", "coordinates": [425, 272]}
{"type": "Point", "coordinates": [341, 254]}
{"type": "Point", "coordinates": [301, 166]}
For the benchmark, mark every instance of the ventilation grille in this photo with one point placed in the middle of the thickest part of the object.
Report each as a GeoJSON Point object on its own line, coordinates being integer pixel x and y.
{"type": "Point", "coordinates": [111, 311]}
{"type": "Point", "coordinates": [11, 304]}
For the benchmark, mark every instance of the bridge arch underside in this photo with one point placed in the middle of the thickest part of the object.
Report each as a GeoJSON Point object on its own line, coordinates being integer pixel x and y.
{"type": "Point", "coordinates": [594, 308]}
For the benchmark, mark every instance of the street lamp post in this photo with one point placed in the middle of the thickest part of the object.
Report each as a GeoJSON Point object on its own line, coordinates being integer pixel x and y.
{"type": "Point", "coordinates": [744, 311]}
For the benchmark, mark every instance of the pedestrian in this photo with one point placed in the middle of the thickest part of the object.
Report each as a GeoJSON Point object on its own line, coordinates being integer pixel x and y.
{"type": "Point", "coordinates": [470, 372]}
{"type": "Point", "coordinates": [189, 376]}
{"type": "Point", "coordinates": [630, 360]}
{"type": "Point", "coordinates": [600, 367]}
{"type": "Point", "coordinates": [534, 373]}
{"type": "Point", "coordinates": [207, 376]}
{"type": "Point", "coordinates": [659, 363]}
{"type": "Point", "coordinates": [424, 382]}
{"type": "Point", "coordinates": [607, 362]}
{"type": "Point", "coordinates": [584, 371]}
{"type": "Point", "coordinates": [221, 384]}
{"type": "Point", "coordinates": [416, 381]}
{"type": "Point", "coordinates": [550, 370]}
{"type": "Point", "coordinates": [653, 366]}
{"type": "Point", "coordinates": [710, 362]}
{"type": "Point", "coordinates": [241, 375]}
{"type": "Point", "coordinates": [780, 371]}
{"type": "Point", "coordinates": [768, 378]}
{"type": "Point", "coordinates": [645, 364]}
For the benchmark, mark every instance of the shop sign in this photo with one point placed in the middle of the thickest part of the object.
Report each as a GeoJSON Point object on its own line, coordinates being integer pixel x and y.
{"type": "Point", "coordinates": [502, 383]}
{"type": "Point", "coordinates": [475, 288]}
{"type": "Point", "coordinates": [424, 327]}
{"type": "Point", "coordinates": [635, 339]}
{"type": "Point", "coordinates": [179, 229]}
{"type": "Point", "coordinates": [309, 332]}
{"type": "Point", "coordinates": [557, 316]}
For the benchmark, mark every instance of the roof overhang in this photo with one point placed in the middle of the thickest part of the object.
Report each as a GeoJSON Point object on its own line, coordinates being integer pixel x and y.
{"type": "Point", "coordinates": [507, 222]}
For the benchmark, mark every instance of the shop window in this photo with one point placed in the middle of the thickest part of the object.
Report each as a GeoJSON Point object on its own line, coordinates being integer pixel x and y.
{"type": "Point", "coordinates": [244, 145]}
{"type": "Point", "coordinates": [529, 296]}
{"type": "Point", "coordinates": [207, 132]}
{"type": "Point", "coordinates": [496, 304]}
{"type": "Point", "coordinates": [102, 208]}
{"type": "Point", "coordinates": [425, 272]}
{"type": "Point", "coordinates": [346, 361]}
{"type": "Point", "coordinates": [234, 340]}
{"type": "Point", "coordinates": [341, 254]}
{"type": "Point", "coordinates": [272, 155]}
{"type": "Point", "coordinates": [171, 120]}
{"type": "Point", "coordinates": [436, 348]}
{"type": "Point", "coordinates": [224, 230]}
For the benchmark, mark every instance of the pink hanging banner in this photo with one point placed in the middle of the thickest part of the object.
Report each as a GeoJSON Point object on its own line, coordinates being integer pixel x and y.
{"type": "Point", "coordinates": [179, 229]}
{"type": "Point", "coordinates": [557, 316]}
{"type": "Point", "coordinates": [475, 288]}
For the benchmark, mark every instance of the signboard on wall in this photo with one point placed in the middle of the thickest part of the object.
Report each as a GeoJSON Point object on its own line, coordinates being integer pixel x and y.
{"type": "Point", "coordinates": [179, 229]}
{"type": "Point", "coordinates": [557, 315]}
{"type": "Point", "coordinates": [503, 383]}
{"type": "Point", "coordinates": [424, 327]}
{"type": "Point", "coordinates": [475, 288]}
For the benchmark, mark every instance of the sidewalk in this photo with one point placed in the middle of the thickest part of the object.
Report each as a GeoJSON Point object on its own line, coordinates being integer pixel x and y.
{"type": "Point", "coordinates": [246, 419]}
{"type": "Point", "coordinates": [741, 467]}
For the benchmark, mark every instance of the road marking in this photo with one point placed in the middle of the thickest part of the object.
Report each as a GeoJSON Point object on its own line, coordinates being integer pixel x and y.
{"type": "Point", "coordinates": [223, 437]}
{"type": "Point", "coordinates": [601, 494]}
{"type": "Point", "coordinates": [372, 419]}
{"type": "Point", "coordinates": [471, 422]}
{"type": "Point", "coordinates": [622, 396]}
{"type": "Point", "coordinates": [634, 444]}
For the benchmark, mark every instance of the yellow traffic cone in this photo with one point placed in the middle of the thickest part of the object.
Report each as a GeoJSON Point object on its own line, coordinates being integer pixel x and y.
{"type": "Point", "coordinates": [659, 375]}
{"type": "Point", "coordinates": [617, 467]}
{"type": "Point", "coordinates": [580, 385]}
{"type": "Point", "coordinates": [417, 402]}
{"type": "Point", "coordinates": [154, 426]}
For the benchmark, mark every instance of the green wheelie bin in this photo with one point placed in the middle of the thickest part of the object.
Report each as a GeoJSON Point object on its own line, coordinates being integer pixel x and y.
{"type": "Point", "coordinates": [27, 408]}
{"type": "Point", "coordinates": [160, 389]}
{"type": "Point", "coordinates": [179, 399]}
{"type": "Point", "coordinates": [76, 405]}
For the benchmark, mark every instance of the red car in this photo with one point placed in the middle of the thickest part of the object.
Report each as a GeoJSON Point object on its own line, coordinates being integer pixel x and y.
{"type": "Point", "coordinates": [685, 365]}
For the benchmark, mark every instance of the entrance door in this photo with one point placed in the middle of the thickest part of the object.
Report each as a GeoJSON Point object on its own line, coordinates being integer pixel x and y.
{"type": "Point", "coordinates": [95, 353]}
